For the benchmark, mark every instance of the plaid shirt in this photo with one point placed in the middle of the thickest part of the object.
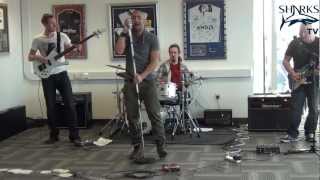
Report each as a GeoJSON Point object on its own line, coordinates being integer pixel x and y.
{"type": "Point", "coordinates": [164, 72]}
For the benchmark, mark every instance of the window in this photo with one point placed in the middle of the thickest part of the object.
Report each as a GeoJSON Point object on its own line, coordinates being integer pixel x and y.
{"type": "Point", "coordinates": [271, 43]}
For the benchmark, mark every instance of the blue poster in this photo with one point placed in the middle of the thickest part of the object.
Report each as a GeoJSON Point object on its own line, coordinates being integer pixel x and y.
{"type": "Point", "coordinates": [204, 31]}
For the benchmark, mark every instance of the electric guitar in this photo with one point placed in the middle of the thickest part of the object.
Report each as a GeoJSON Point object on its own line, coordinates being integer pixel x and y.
{"type": "Point", "coordinates": [306, 73]}
{"type": "Point", "coordinates": [43, 70]}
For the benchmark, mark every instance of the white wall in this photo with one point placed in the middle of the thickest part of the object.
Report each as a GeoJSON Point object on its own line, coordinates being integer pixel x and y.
{"type": "Point", "coordinates": [233, 90]}
{"type": "Point", "coordinates": [11, 72]}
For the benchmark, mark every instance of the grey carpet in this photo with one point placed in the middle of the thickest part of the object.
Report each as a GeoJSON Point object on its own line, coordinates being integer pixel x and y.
{"type": "Point", "coordinates": [216, 137]}
{"type": "Point", "coordinates": [201, 162]}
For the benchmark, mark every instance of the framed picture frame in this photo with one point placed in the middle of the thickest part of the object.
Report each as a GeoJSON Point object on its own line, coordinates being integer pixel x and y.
{"type": "Point", "coordinates": [204, 29]}
{"type": "Point", "coordinates": [120, 12]}
{"type": "Point", "coordinates": [4, 30]}
{"type": "Point", "coordinates": [71, 20]}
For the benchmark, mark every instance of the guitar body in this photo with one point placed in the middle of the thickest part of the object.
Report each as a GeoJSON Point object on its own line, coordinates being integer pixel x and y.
{"type": "Point", "coordinates": [305, 75]}
{"type": "Point", "coordinates": [44, 70]}
{"type": "Point", "coordinates": [296, 84]}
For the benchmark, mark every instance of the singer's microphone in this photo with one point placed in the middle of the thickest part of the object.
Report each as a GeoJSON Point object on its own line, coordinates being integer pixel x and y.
{"type": "Point", "coordinates": [129, 24]}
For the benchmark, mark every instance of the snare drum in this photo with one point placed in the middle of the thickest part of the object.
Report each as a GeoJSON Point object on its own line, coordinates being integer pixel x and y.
{"type": "Point", "coordinates": [167, 91]}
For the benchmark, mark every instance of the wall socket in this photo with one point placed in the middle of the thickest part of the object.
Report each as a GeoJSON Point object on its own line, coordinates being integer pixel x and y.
{"type": "Point", "coordinates": [217, 96]}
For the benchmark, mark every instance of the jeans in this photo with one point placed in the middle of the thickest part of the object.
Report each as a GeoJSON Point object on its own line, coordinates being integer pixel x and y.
{"type": "Point", "coordinates": [299, 97]}
{"type": "Point", "coordinates": [61, 82]}
{"type": "Point", "coordinates": [149, 96]}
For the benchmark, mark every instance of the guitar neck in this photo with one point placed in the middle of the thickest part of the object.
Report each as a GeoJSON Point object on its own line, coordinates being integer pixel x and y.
{"type": "Point", "coordinates": [73, 47]}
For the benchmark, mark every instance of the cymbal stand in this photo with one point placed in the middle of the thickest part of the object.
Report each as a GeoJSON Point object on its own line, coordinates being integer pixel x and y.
{"type": "Point", "coordinates": [188, 121]}
{"type": "Point", "coordinates": [119, 121]}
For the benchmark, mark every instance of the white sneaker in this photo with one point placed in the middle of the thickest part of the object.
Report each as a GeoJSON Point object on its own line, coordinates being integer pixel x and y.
{"type": "Point", "coordinates": [288, 139]}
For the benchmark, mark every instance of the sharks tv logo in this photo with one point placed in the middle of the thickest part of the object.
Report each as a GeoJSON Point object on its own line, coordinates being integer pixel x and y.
{"type": "Point", "coordinates": [299, 14]}
{"type": "Point", "coordinates": [301, 18]}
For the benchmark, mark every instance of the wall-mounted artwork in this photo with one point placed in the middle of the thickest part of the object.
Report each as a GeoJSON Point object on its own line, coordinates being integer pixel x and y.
{"type": "Point", "coordinates": [71, 20]}
{"type": "Point", "coordinates": [4, 31]}
{"type": "Point", "coordinates": [204, 29]}
{"type": "Point", "coordinates": [118, 15]}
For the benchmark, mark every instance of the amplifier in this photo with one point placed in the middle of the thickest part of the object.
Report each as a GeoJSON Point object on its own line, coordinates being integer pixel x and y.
{"type": "Point", "coordinates": [218, 117]}
{"type": "Point", "coordinates": [269, 112]}
{"type": "Point", "coordinates": [13, 121]}
{"type": "Point", "coordinates": [83, 106]}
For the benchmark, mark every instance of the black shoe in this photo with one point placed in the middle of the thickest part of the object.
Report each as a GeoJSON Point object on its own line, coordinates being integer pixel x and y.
{"type": "Point", "coordinates": [137, 152]}
{"type": "Point", "coordinates": [161, 151]}
{"type": "Point", "coordinates": [51, 140]}
{"type": "Point", "coordinates": [310, 137]}
{"type": "Point", "coordinates": [77, 142]}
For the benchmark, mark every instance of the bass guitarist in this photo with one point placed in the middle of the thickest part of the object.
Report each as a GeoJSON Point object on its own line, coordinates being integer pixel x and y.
{"type": "Point", "coordinates": [51, 40]}
{"type": "Point", "coordinates": [304, 51]}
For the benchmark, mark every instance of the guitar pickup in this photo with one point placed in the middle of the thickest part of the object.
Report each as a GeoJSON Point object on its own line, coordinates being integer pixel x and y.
{"type": "Point", "coordinates": [42, 67]}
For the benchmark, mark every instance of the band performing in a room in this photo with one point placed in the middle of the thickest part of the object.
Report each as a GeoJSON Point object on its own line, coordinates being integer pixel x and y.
{"type": "Point", "coordinates": [211, 92]}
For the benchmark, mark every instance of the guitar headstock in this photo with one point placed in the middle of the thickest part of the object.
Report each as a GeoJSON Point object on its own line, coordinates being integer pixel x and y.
{"type": "Point", "coordinates": [98, 32]}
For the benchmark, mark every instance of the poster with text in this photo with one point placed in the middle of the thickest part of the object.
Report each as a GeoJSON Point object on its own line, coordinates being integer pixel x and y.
{"type": "Point", "coordinates": [71, 20]}
{"type": "Point", "coordinates": [204, 29]}
{"type": "Point", "coordinates": [4, 32]}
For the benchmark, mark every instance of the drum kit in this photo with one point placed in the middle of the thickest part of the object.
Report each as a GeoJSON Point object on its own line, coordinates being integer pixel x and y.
{"type": "Point", "coordinates": [175, 107]}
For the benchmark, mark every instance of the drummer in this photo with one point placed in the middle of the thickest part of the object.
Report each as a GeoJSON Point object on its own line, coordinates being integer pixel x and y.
{"type": "Point", "coordinates": [174, 70]}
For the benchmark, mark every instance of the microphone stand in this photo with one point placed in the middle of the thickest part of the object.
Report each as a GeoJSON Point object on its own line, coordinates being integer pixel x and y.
{"type": "Point", "coordinates": [313, 66]}
{"type": "Point", "coordinates": [143, 160]}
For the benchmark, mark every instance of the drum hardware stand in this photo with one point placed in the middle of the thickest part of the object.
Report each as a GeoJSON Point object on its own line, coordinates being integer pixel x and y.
{"type": "Point", "coordinates": [188, 122]}
{"type": "Point", "coordinates": [119, 119]}
{"type": "Point", "coordinates": [172, 112]}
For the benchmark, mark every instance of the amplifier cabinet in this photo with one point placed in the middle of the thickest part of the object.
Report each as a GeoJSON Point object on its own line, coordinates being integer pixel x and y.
{"type": "Point", "coordinates": [269, 112]}
{"type": "Point", "coordinates": [218, 117]}
{"type": "Point", "coordinates": [83, 106]}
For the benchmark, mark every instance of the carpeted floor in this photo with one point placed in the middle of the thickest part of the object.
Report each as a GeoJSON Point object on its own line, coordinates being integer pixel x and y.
{"type": "Point", "coordinates": [215, 137]}
{"type": "Point", "coordinates": [198, 162]}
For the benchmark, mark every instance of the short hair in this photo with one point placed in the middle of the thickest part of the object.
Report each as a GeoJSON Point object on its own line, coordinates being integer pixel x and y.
{"type": "Point", "coordinates": [174, 46]}
{"type": "Point", "coordinates": [45, 18]}
{"type": "Point", "coordinates": [143, 14]}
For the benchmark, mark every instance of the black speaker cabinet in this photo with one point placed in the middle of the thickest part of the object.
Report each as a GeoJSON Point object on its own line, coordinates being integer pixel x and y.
{"type": "Point", "coordinates": [218, 117]}
{"type": "Point", "coordinates": [269, 112]}
{"type": "Point", "coordinates": [13, 121]}
{"type": "Point", "coordinates": [83, 106]}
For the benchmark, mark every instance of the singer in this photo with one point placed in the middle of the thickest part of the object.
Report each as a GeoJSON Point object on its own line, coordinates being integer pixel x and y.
{"type": "Point", "coordinates": [304, 51]}
{"type": "Point", "coordinates": [146, 55]}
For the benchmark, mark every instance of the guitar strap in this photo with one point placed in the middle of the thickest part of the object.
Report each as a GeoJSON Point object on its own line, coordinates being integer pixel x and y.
{"type": "Point", "coordinates": [58, 42]}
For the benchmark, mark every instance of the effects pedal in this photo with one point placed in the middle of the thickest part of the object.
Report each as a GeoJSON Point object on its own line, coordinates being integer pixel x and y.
{"type": "Point", "coordinates": [170, 167]}
{"type": "Point", "coordinates": [268, 149]}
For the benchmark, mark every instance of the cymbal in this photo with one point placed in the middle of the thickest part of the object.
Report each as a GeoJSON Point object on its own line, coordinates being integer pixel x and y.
{"type": "Point", "coordinates": [125, 75]}
{"type": "Point", "coordinates": [117, 67]}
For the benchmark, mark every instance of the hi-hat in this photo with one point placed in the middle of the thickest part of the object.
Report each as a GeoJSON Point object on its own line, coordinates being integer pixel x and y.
{"type": "Point", "coordinates": [117, 67]}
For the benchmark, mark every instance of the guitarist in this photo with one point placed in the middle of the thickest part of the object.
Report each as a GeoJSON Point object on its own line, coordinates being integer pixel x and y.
{"type": "Point", "coordinates": [58, 79]}
{"type": "Point", "coordinates": [303, 51]}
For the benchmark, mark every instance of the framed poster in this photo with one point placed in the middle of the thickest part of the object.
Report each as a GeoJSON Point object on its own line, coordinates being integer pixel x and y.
{"type": "Point", "coordinates": [71, 20]}
{"type": "Point", "coordinates": [204, 29]}
{"type": "Point", "coordinates": [120, 12]}
{"type": "Point", "coordinates": [4, 32]}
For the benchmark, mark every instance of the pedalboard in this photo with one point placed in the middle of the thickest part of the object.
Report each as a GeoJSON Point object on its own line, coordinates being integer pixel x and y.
{"type": "Point", "coordinates": [268, 149]}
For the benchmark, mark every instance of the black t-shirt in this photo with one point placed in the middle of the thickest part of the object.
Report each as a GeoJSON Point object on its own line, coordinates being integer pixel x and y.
{"type": "Point", "coordinates": [302, 52]}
